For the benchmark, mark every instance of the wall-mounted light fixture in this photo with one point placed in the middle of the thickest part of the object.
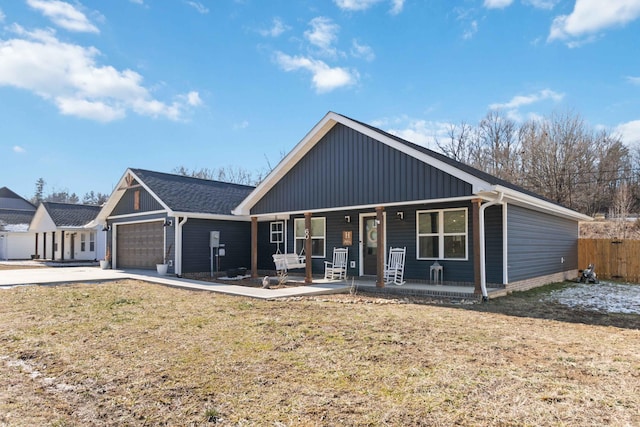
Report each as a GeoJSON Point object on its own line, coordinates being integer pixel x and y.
{"type": "Point", "coordinates": [106, 227]}
{"type": "Point", "coordinates": [167, 223]}
{"type": "Point", "coordinates": [400, 215]}
{"type": "Point", "coordinates": [347, 218]}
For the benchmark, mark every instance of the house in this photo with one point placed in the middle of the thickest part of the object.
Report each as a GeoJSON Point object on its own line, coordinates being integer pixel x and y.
{"type": "Point", "coordinates": [16, 241]}
{"type": "Point", "coordinates": [348, 184]}
{"type": "Point", "coordinates": [153, 216]}
{"type": "Point", "coordinates": [67, 232]}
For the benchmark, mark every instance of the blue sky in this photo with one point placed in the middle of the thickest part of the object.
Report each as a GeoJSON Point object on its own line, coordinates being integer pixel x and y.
{"type": "Point", "coordinates": [89, 88]}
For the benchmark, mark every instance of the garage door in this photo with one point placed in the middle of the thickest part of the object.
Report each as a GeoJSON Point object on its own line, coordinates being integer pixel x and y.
{"type": "Point", "coordinates": [139, 245]}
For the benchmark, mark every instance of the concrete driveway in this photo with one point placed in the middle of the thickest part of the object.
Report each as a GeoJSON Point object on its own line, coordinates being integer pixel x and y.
{"type": "Point", "coordinates": [64, 275]}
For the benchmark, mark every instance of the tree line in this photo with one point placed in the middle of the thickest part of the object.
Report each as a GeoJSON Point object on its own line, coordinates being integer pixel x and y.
{"type": "Point", "coordinates": [90, 198]}
{"type": "Point", "coordinates": [559, 157]}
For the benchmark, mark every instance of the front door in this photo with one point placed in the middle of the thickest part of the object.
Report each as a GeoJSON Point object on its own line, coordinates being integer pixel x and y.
{"type": "Point", "coordinates": [369, 245]}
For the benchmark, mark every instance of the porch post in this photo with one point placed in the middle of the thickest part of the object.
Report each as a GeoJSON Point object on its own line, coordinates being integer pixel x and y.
{"type": "Point", "coordinates": [36, 245]}
{"type": "Point", "coordinates": [380, 248]}
{"type": "Point", "coordinates": [53, 245]}
{"type": "Point", "coordinates": [308, 278]}
{"type": "Point", "coordinates": [62, 245]}
{"type": "Point", "coordinates": [254, 247]}
{"type": "Point", "coordinates": [477, 290]}
{"type": "Point", "coordinates": [44, 245]}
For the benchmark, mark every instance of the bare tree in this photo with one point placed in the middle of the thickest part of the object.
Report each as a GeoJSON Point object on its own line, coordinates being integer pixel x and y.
{"type": "Point", "coordinates": [620, 209]}
{"type": "Point", "coordinates": [500, 146]}
{"type": "Point", "coordinates": [231, 174]}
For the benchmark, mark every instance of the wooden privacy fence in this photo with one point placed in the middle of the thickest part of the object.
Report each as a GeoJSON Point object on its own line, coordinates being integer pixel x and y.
{"type": "Point", "coordinates": [613, 259]}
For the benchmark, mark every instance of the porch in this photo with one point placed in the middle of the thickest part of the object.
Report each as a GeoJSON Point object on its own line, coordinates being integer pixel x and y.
{"type": "Point", "coordinates": [410, 288]}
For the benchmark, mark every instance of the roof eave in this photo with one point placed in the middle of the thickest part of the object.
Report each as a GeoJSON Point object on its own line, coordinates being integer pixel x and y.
{"type": "Point", "coordinates": [535, 203]}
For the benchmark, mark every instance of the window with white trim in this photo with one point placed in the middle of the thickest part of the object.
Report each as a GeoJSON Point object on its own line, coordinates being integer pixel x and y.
{"type": "Point", "coordinates": [92, 242]}
{"type": "Point", "coordinates": [317, 233]}
{"type": "Point", "coordinates": [442, 234]}
{"type": "Point", "coordinates": [277, 232]}
{"type": "Point", "coordinates": [83, 242]}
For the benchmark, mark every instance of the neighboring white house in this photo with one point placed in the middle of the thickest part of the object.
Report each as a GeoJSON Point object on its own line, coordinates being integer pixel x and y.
{"type": "Point", "coordinates": [16, 241]}
{"type": "Point", "coordinates": [66, 232]}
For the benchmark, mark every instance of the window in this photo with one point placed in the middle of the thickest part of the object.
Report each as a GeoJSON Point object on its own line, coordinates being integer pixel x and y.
{"type": "Point", "coordinates": [442, 234]}
{"type": "Point", "coordinates": [317, 234]}
{"type": "Point", "coordinates": [92, 242]}
{"type": "Point", "coordinates": [83, 242]}
{"type": "Point", "coordinates": [136, 200]}
{"type": "Point", "coordinates": [277, 232]}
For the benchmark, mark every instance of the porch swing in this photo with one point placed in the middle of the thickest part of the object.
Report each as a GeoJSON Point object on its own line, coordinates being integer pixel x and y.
{"type": "Point", "coordinates": [284, 262]}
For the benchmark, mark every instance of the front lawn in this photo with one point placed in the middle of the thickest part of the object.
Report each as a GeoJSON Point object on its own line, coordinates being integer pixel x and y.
{"type": "Point", "coordinates": [133, 353]}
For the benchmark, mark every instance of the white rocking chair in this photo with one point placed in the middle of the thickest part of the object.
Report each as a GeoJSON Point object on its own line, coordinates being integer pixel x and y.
{"type": "Point", "coordinates": [338, 268]}
{"type": "Point", "coordinates": [394, 269]}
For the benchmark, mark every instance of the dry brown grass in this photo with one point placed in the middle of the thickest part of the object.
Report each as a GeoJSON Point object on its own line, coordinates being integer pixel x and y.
{"type": "Point", "coordinates": [14, 266]}
{"type": "Point", "coordinates": [132, 353]}
{"type": "Point", "coordinates": [607, 229]}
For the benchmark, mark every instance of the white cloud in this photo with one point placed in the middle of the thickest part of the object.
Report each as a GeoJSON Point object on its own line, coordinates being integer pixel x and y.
{"type": "Point", "coordinates": [362, 51]}
{"type": "Point", "coordinates": [418, 131]}
{"type": "Point", "coordinates": [68, 75]}
{"type": "Point", "coordinates": [512, 107]}
{"type": "Point", "coordinates": [633, 80]}
{"type": "Point", "coordinates": [323, 34]}
{"type": "Point", "coordinates": [542, 4]}
{"type": "Point", "coordinates": [497, 4]}
{"type": "Point", "coordinates": [242, 125]}
{"type": "Point", "coordinates": [18, 149]}
{"type": "Point", "coordinates": [591, 16]}
{"type": "Point", "coordinates": [355, 5]}
{"type": "Point", "coordinates": [2, 16]}
{"type": "Point", "coordinates": [360, 5]}
{"type": "Point", "coordinates": [64, 15]}
{"type": "Point", "coordinates": [193, 99]}
{"type": "Point", "coordinates": [471, 31]}
{"type": "Point", "coordinates": [521, 100]}
{"type": "Point", "coordinates": [277, 28]}
{"type": "Point", "coordinates": [630, 132]}
{"type": "Point", "coordinates": [396, 7]}
{"type": "Point", "coordinates": [198, 6]}
{"type": "Point", "coordinates": [324, 78]}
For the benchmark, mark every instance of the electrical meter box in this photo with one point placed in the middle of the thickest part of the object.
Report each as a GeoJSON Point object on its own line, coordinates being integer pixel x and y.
{"type": "Point", "coordinates": [214, 239]}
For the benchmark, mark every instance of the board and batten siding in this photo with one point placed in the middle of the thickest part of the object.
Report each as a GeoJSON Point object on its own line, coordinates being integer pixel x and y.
{"type": "Point", "coordinates": [348, 168]}
{"type": "Point", "coordinates": [538, 244]}
{"type": "Point", "coordinates": [126, 204]}
{"type": "Point", "coordinates": [196, 253]}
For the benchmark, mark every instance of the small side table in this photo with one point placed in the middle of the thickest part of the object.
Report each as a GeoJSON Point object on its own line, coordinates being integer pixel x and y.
{"type": "Point", "coordinates": [436, 273]}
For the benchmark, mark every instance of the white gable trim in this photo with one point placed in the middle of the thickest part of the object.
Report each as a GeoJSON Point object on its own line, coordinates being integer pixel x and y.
{"type": "Point", "coordinates": [119, 191]}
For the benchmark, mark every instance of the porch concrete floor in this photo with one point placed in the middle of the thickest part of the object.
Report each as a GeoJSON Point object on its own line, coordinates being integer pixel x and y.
{"type": "Point", "coordinates": [409, 288]}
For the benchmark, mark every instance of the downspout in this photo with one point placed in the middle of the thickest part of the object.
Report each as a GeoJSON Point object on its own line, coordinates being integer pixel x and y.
{"type": "Point", "coordinates": [178, 267]}
{"type": "Point", "coordinates": [483, 267]}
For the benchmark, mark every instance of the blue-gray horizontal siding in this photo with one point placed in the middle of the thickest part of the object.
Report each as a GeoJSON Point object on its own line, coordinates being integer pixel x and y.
{"type": "Point", "coordinates": [126, 204]}
{"type": "Point", "coordinates": [538, 242]}
{"type": "Point", "coordinates": [348, 168]}
{"type": "Point", "coordinates": [196, 254]}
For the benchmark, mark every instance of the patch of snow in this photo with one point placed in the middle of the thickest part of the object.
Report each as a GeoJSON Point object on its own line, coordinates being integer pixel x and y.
{"type": "Point", "coordinates": [604, 297]}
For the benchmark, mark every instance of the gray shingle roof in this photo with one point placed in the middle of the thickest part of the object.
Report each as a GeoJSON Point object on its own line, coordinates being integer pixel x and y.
{"type": "Point", "coordinates": [10, 200]}
{"type": "Point", "coordinates": [186, 194]}
{"type": "Point", "coordinates": [15, 219]}
{"type": "Point", "coordinates": [71, 215]}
